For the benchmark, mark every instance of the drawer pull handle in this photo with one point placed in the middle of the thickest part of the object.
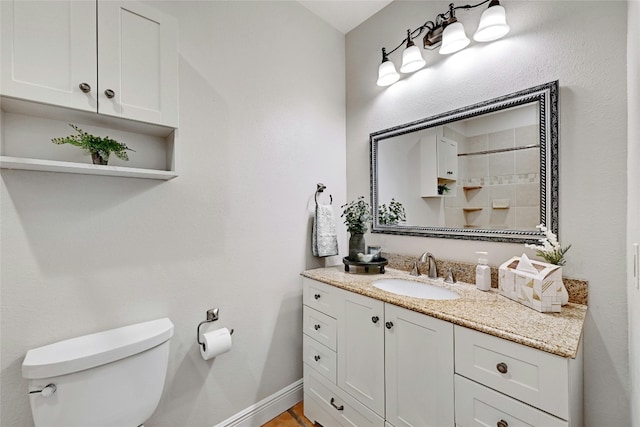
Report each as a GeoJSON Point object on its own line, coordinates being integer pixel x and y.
{"type": "Point", "coordinates": [316, 357]}
{"type": "Point", "coordinates": [85, 87]}
{"type": "Point", "coordinates": [317, 296]}
{"type": "Point", "coordinates": [316, 327]}
{"type": "Point", "coordinates": [502, 423]}
{"type": "Point", "coordinates": [109, 93]}
{"type": "Point", "coordinates": [375, 319]}
{"type": "Point", "coordinates": [389, 325]}
{"type": "Point", "coordinates": [333, 403]}
{"type": "Point", "coordinates": [502, 368]}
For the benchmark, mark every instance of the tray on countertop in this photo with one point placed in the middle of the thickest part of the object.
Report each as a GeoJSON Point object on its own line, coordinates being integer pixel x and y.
{"type": "Point", "coordinates": [379, 264]}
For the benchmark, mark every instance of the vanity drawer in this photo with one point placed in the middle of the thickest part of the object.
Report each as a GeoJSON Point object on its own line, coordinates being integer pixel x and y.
{"type": "Point", "coordinates": [320, 296]}
{"type": "Point", "coordinates": [541, 379]}
{"type": "Point", "coordinates": [477, 405]}
{"type": "Point", "coordinates": [319, 357]}
{"type": "Point", "coordinates": [328, 405]}
{"type": "Point", "coordinates": [319, 326]}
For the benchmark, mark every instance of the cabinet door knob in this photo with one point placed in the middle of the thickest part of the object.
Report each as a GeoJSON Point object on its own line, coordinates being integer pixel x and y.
{"type": "Point", "coordinates": [316, 357]}
{"type": "Point", "coordinates": [333, 403]}
{"type": "Point", "coordinates": [317, 296]}
{"type": "Point", "coordinates": [389, 325]}
{"type": "Point", "coordinates": [502, 423]}
{"type": "Point", "coordinates": [85, 87]}
{"type": "Point", "coordinates": [375, 319]}
{"type": "Point", "coordinates": [502, 368]}
{"type": "Point", "coordinates": [316, 327]}
{"type": "Point", "coordinates": [109, 93]}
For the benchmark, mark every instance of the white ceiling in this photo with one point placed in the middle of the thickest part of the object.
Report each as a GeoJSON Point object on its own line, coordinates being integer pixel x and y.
{"type": "Point", "coordinates": [344, 15]}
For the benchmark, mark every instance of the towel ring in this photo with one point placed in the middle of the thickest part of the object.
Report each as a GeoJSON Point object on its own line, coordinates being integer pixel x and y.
{"type": "Point", "coordinates": [320, 189]}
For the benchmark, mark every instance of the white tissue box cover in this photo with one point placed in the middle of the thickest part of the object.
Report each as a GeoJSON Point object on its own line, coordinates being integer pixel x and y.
{"type": "Point", "coordinates": [541, 291]}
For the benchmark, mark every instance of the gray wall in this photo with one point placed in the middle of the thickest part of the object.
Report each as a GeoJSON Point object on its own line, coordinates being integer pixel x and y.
{"type": "Point", "coordinates": [262, 120]}
{"type": "Point", "coordinates": [548, 41]}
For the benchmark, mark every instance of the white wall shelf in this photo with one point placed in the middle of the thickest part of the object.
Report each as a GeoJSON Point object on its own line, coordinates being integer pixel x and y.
{"type": "Point", "coordinates": [7, 162]}
{"type": "Point", "coordinates": [27, 129]}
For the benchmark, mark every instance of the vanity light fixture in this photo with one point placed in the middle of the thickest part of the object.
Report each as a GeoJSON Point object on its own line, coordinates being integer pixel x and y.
{"type": "Point", "coordinates": [447, 33]}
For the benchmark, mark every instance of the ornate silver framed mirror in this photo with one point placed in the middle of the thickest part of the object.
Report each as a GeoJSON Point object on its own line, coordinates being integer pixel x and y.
{"type": "Point", "coordinates": [487, 171]}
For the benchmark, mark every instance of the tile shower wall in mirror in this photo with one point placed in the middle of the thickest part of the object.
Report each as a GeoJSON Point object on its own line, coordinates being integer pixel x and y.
{"type": "Point", "coordinates": [496, 183]}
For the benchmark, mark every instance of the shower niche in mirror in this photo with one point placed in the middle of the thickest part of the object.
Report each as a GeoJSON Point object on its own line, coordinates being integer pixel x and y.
{"type": "Point", "coordinates": [488, 171]}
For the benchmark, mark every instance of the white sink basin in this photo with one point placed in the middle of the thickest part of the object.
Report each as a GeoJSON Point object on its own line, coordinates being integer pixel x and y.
{"type": "Point", "coordinates": [413, 289]}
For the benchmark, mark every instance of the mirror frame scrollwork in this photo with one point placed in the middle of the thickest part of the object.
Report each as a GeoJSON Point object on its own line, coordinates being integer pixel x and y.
{"type": "Point", "coordinates": [546, 95]}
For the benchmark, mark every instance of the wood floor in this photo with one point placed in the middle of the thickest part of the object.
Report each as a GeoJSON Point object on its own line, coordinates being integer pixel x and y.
{"type": "Point", "coordinates": [293, 417]}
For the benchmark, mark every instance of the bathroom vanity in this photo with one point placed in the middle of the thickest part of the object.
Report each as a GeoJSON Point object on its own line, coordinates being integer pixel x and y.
{"type": "Point", "coordinates": [374, 358]}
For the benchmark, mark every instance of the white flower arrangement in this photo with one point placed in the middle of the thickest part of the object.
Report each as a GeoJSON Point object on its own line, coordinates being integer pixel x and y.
{"type": "Point", "coordinates": [550, 248]}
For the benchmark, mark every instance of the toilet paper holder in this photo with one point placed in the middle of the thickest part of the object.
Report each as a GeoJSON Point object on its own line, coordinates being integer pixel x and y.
{"type": "Point", "coordinates": [212, 316]}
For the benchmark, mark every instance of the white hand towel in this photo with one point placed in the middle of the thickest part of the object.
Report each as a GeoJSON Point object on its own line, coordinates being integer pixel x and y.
{"type": "Point", "coordinates": [324, 239]}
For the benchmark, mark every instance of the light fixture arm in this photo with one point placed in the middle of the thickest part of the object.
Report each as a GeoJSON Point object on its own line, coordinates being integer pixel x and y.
{"type": "Point", "coordinates": [440, 22]}
{"type": "Point", "coordinates": [445, 32]}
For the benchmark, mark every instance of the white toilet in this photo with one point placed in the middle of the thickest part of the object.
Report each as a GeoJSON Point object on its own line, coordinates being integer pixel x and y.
{"type": "Point", "coordinates": [109, 379]}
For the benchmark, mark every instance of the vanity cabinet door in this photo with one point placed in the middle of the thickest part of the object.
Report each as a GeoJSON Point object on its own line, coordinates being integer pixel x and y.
{"type": "Point", "coordinates": [361, 326]}
{"type": "Point", "coordinates": [419, 369]}
{"type": "Point", "coordinates": [48, 51]}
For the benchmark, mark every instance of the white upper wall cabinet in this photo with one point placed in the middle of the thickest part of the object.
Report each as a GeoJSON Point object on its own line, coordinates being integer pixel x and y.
{"type": "Point", "coordinates": [48, 51]}
{"type": "Point", "coordinates": [124, 64]}
{"type": "Point", "coordinates": [137, 63]}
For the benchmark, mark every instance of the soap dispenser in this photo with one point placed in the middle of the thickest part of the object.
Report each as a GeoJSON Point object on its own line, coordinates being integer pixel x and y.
{"type": "Point", "coordinates": [483, 273]}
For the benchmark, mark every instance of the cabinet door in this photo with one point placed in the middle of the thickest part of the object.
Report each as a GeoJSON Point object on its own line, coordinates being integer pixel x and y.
{"type": "Point", "coordinates": [447, 159]}
{"type": "Point", "coordinates": [48, 51]}
{"type": "Point", "coordinates": [419, 369]}
{"type": "Point", "coordinates": [137, 63]}
{"type": "Point", "coordinates": [361, 350]}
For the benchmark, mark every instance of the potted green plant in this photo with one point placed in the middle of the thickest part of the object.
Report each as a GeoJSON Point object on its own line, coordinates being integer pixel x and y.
{"type": "Point", "coordinates": [356, 214]}
{"type": "Point", "coordinates": [392, 215]}
{"type": "Point", "coordinates": [443, 189]}
{"type": "Point", "coordinates": [99, 147]}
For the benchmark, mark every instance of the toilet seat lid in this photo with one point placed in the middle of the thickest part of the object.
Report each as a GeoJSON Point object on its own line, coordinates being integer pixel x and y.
{"type": "Point", "coordinates": [93, 350]}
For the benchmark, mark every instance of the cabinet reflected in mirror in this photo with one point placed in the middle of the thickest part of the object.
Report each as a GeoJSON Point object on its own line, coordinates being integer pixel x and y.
{"type": "Point", "coordinates": [487, 171]}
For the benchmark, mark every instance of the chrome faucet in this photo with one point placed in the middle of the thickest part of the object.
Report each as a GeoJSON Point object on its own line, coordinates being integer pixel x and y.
{"type": "Point", "coordinates": [425, 257]}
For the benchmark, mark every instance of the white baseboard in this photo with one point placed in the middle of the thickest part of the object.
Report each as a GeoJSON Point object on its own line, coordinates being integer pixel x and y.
{"type": "Point", "coordinates": [267, 409]}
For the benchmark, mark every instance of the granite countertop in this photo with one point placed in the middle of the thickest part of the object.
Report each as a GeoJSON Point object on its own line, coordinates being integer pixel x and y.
{"type": "Point", "coordinates": [488, 312]}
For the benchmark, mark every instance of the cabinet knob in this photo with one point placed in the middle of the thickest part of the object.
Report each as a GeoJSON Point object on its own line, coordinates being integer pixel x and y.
{"type": "Point", "coordinates": [85, 87]}
{"type": "Point", "coordinates": [316, 327]}
{"type": "Point", "coordinates": [333, 403]}
{"type": "Point", "coordinates": [375, 319]}
{"type": "Point", "coordinates": [502, 368]}
{"type": "Point", "coordinates": [389, 325]}
{"type": "Point", "coordinates": [317, 296]}
{"type": "Point", "coordinates": [502, 423]}
{"type": "Point", "coordinates": [316, 357]}
{"type": "Point", "coordinates": [109, 93]}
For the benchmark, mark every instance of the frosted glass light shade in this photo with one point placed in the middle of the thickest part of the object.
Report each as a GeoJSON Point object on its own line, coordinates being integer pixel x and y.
{"type": "Point", "coordinates": [387, 74]}
{"type": "Point", "coordinates": [493, 25]}
{"type": "Point", "coordinates": [453, 39]}
{"type": "Point", "coordinates": [411, 60]}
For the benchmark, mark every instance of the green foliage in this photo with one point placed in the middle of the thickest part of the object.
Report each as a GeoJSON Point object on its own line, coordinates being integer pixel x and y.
{"type": "Point", "coordinates": [95, 144]}
{"type": "Point", "coordinates": [357, 214]}
{"type": "Point", "coordinates": [442, 189]}
{"type": "Point", "coordinates": [554, 256]}
{"type": "Point", "coordinates": [392, 215]}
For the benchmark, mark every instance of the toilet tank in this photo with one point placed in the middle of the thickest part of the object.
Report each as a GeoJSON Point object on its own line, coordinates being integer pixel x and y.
{"type": "Point", "coordinates": [113, 378]}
